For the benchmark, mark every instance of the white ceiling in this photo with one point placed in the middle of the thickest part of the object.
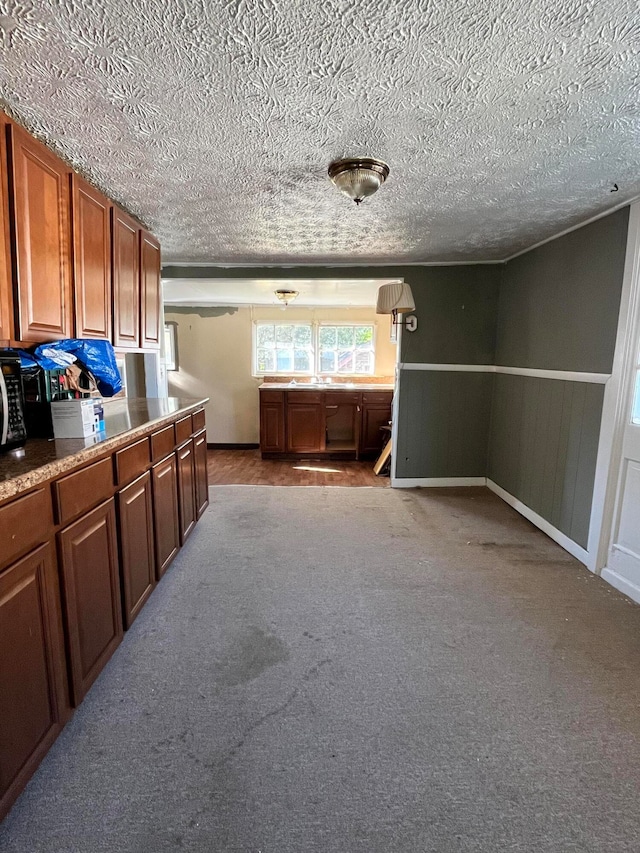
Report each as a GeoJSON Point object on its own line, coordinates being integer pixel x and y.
{"type": "Point", "coordinates": [353, 293]}
{"type": "Point", "coordinates": [214, 121]}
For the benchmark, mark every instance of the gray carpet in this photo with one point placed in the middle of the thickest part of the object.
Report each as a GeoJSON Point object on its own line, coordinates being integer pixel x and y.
{"type": "Point", "coordinates": [340, 670]}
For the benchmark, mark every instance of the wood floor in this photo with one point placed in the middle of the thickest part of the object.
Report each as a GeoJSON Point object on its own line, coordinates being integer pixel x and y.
{"type": "Point", "coordinates": [246, 467]}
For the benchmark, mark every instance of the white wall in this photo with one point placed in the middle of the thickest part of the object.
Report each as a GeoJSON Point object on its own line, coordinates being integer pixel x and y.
{"type": "Point", "coordinates": [215, 361]}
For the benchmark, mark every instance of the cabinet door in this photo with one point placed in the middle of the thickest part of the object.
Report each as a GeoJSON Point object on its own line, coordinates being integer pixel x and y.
{"type": "Point", "coordinates": [126, 280]}
{"type": "Point", "coordinates": [305, 428]}
{"type": "Point", "coordinates": [149, 291]}
{"type": "Point", "coordinates": [201, 474]}
{"type": "Point", "coordinates": [91, 260]}
{"type": "Point", "coordinates": [33, 688]}
{"type": "Point", "coordinates": [92, 602]}
{"type": "Point", "coordinates": [6, 301]}
{"type": "Point", "coordinates": [186, 489]}
{"type": "Point", "coordinates": [166, 517]}
{"type": "Point", "coordinates": [137, 565]}
{"type": "Point", "coordinates": [374, 416]}
{"type": "Point", "coordinates": [42, 238]}
{"type": "Point", "coordinates": [271, 427]}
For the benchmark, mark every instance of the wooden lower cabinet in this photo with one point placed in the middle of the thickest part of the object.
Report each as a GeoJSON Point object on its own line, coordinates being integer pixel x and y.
{"type": "Point", "coordinates": [201, 474]}
{"type": "Point", "coordinates": [137, 553]}
{"type": "Point", "coordinates": [186, 488]}
{"type": "Point", "coordinates": [305, 428]}
{"type": "Point", "coordinates": [272, 421]}
{"type": "Point", "coordinates": [164, 477]}
{"type": "Point", "coordinates": [376, 413]}
{"type": "Point", "coordinates": [91, 586]}
{"type": "Point", "coordinates": [34, 702]}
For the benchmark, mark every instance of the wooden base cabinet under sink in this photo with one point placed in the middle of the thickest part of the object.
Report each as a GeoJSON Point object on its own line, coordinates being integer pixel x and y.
{"type": "Point", "coordinates": [344, 423]}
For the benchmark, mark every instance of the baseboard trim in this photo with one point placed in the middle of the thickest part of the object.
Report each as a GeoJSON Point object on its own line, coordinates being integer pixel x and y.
{"type": "Point", "coordinates": [436, 482]}
{"type": "Point", "coordinates": [222, 446]}
{"type": "Point", "coordinates": [552, 532]}
{"type": "Point", "coordinates": [621, 584]}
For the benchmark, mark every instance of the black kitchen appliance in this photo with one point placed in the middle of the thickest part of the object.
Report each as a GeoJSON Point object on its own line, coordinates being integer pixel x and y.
{"type": "Point", "coordinates": [13, 431]}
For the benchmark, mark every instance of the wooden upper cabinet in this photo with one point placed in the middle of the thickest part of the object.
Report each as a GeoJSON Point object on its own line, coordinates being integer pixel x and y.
{"type": "Point", "coordinates": [40, 207]}
{"type": "Point", "coordinates": [6, 302]}
{"type": "Point", "coordinates": [149, 290]}
{"type": "Point", "coordinates": [91, 260]}
{"type": "Point", "coordinates": [126, 280]}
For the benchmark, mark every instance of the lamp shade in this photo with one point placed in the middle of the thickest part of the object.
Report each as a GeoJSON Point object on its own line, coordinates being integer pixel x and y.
{"type": "Point", "coordinates": [395, 298]}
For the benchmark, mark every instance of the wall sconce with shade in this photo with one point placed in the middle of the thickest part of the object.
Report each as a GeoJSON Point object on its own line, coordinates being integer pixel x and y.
{"type": "Point", "coordinates": [397, 298]}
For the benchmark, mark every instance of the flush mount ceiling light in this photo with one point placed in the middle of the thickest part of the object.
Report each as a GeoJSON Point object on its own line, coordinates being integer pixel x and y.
{"type": "Point", "coordinates": [358, 177]}
{"type": "Point", "coordinates": [286, 296]}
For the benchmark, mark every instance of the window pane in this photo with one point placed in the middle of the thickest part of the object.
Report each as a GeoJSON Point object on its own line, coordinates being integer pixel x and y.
{"type": "Point", "coordinates": [265, 335]}
{"type": "Point", "coordinates": [302, 360]}
{"type": "Point", "coordinates": [345, 361]}
{"type": "Point", "coordinates": [284, 334]}
{"type": "Point", "coordinates": [327, 336]}
{"type": "Point", "coordinates": [284, 362]}
{"type": "Point", "coordinates": [327, 361]}
{"type": "Point", "coordinates": [266, 361]}
{"type": "Point", "coordinates": [345, 336]}
{"type": "Point", "coordinates": [364, 336]}
{"type": "Point", "coordinates": [635, 412]}
{"type": "Point", "coordinates": [302, 336]}
{"type": "Point", "coordinates": [364, 362]}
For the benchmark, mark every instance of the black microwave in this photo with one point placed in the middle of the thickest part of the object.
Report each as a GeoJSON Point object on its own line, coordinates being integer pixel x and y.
{"type": "Point", "coordinates": [13, 431]}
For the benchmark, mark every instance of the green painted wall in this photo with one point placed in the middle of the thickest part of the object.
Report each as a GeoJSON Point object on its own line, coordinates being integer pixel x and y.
{"type": "Point", "coordinates": [443, 424]}
{"type": "Point", "coordinates": [559, 304]}
{"type": "Point", "coordinates": [558, 310]}
{"type": "Point", "coordinates": [544, 443]}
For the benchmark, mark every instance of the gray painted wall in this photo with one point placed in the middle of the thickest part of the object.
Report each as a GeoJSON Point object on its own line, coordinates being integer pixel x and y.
{"type": "Point", "coordinates": [559, 304]}
{"type": "Point", "coordinates": [544, 443]}
{"type": "Point", "coordinates": [443, 424]}
{"type": "Point", "coordinates": [558, 310]}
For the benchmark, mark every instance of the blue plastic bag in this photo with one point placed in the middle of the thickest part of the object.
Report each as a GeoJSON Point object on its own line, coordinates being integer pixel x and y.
{"type": "Point", "coordinates": [97, 357]}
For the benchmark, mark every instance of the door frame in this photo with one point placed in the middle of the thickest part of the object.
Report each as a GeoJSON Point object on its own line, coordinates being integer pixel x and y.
{"type": "Point", "coordinates": [617, 399]}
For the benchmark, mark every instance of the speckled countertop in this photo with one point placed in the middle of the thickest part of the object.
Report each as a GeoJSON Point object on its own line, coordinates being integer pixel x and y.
{"type": "Point", "coordinates": [125, 420]}
{"type": "Point", "coordinates": [328, 386]}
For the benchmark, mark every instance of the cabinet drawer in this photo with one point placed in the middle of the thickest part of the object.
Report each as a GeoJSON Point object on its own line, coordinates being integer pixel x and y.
{"type": "Point", "coordinates": [305, 396]}
{"type": "Point", "coordinates": [183, 429]}
{"type": "Point", "coordinates": [83, 490]}
{"type": "Point", "coordinates": [272, 396]}
{"type": "Point", "coordinates": [379, 397]}
{"type": "Point", "coordinates": [342, 398]}
{"type": "Point", "coordinates": [198, 420]}
{"type": "Point", "coordinates": [162, 442]}
{"type": "Point", "coordinates": [24, 523]}
{"type": "Point", "coordinates": [132, 461]}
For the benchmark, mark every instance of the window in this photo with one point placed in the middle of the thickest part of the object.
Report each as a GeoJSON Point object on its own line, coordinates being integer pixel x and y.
{"type": "Point", "coordinates": [284, 348]}
{"type": "Point", "coordinates": [314, 348]}
{"type": "Point", "coordinates": [171, 345]}
{"type": "Point", "coordinates": [346, 349]}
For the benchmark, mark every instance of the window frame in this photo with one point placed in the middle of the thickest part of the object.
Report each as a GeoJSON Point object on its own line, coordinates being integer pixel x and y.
{"type": "Point", "coordinates": [315, 326]}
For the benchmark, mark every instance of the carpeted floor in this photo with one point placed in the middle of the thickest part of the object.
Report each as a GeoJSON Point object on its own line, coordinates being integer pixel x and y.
{"type": "Point", "coordinates": [356, 671]}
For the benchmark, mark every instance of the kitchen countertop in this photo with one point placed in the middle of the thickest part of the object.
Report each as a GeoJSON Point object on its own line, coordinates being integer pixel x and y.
{"type": "Point", "coordinates": [125, 419]}
{"type": "Point", "coordinates": [329, 386]}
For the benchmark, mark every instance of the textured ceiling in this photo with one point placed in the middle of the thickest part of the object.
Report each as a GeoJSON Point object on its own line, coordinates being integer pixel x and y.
{"type": "Point", "coordinates": [214, 121]}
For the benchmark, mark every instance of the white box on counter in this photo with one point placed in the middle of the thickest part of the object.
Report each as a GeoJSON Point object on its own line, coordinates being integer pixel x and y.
{"type": "Point", "coordinates": [73, 418]}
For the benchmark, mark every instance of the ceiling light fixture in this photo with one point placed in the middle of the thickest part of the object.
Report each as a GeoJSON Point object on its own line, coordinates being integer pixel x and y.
{"type": "Point", "coordinates": [286, 296]}
{"type": "Point", "coordinates": [358, 177]}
